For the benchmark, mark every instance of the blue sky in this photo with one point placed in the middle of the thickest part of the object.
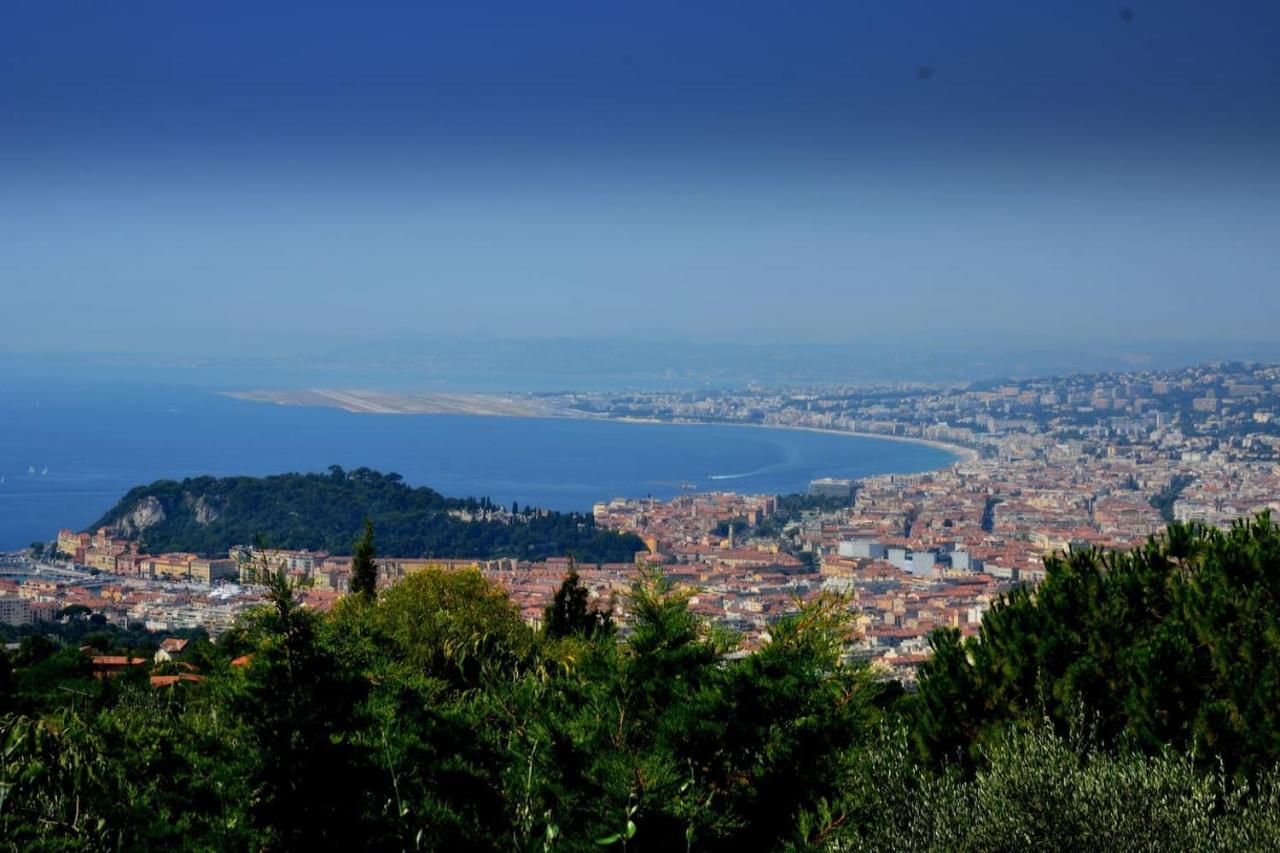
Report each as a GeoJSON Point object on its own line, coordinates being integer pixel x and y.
{"type": "Point", "coordinates": [205, 177]}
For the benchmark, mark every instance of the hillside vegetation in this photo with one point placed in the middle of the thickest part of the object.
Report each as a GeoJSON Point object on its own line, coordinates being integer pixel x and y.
{"type": "Point", "coordinates": [319, 512]}
{"type": "Point", "coordinates": [1127, 704]}
{"type": "Point", "coordinates": [1172, 645]}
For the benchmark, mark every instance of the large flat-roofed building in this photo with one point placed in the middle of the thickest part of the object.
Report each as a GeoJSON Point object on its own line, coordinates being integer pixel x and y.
{"type": "Point", "coordinates": [103, 562]}
{"type": "Point", "coordinates": [210, 571]}
{"type": "Point", "coordinates": [863, 549]}
{"type": "Point", "coordinates": [170, 566]}
{"type": "Point", "coordinates": [15, 610]}
{"type": "Point", "coordinates": [68, 542]}
{"type": "Point", "coordinates": [132, 565]}
{"type": "Point", "coordinates": [923, 563]}
{"type": "Point", "coordinates": [392, 569]}
{"type": "Point", "coordinates": [831, 487]}
{"type": "Point", "coordinates": [250, 562]}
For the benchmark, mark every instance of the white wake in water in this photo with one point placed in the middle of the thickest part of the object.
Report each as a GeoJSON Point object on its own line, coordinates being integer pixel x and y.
{"type": "Point", "coordinates": [791, 455]}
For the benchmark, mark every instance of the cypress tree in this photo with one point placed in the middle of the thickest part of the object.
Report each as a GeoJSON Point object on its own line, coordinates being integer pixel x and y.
{"type": "Point", "coordinates": [569, 614]}
{"type": "Point", "coordinates": [364, 571]}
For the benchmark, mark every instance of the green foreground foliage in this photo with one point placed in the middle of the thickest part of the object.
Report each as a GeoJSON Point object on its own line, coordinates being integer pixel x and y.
{"type": "Point", "coordinates": [1121, 706]}
{"type": "Point", "coordinates": [1174, 644]}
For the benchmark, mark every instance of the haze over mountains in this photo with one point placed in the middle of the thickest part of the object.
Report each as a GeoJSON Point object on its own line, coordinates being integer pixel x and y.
{"type": "Point", "coordinates": [585, 363]}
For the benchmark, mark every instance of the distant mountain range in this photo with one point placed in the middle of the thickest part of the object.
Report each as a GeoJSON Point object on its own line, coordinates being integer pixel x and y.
{"type": "Point", "coordinates": [325, 512]}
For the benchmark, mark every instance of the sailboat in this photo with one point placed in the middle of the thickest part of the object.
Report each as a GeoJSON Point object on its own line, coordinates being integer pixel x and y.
{"type": "Point", "coordinates": [31, 469]}
{"type": "Point", "coordinates": [45, 471]}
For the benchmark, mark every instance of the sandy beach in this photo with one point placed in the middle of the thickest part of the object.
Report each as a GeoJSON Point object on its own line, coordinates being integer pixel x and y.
{"type": "Point", "coordinates": [363, 401]}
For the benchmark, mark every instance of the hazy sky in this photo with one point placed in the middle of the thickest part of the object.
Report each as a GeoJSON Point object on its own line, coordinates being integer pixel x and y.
{"type": "Point", "coordinates": [196, 176]}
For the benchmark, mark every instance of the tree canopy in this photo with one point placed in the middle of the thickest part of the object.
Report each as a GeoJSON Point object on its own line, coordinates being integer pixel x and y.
{"type": "Point", "coordinates": [1127, 704]}
{"type": "Point", "coordinates": [1172, 644]}
{"type": "Point", "coordinates": [208, 515]}
{"type": "Point", "coordinates": [570, 614]}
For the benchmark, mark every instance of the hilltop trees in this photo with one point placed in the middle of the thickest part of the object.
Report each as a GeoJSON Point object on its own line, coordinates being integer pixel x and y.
{"type": "Point", "coordinates": [209, 515]}
{"type": "Point", "coordinates": [1176, 643]}
{"type": "Point", "coordinates": [433, 717]}
{"type": "Point", "coordinates": [1128, 703]}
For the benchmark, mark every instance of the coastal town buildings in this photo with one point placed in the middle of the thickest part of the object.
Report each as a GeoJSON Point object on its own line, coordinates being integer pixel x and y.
{"type": "Point", "coordinates": [1041, 466]}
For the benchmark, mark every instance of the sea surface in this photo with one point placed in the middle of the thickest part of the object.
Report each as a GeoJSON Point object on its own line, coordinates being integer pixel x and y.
{"type": "Point", "coordinates": [69, 451]}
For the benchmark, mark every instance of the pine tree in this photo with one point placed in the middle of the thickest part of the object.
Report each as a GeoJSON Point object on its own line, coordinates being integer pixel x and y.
{"type": "Point", "coordinates": [364, 570]}
{"type": "Point", "coordinates": [1175, 643]}
{"type": "Point", "coordinates": [298, 705]}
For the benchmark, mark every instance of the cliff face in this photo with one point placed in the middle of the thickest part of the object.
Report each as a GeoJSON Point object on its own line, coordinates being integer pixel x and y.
{"type": "Point", "coordinates": [146, 513]}
{"type": "Point", "coordinates": [206, 513]}
{"type": "Point", "coordinates": [149, 511]}
{"type": "Point", "coordinates": [204, 507]}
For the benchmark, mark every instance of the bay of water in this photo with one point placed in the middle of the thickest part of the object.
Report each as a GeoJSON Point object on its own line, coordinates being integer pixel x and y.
{"type": "Point", "coordinates": [99, 440]}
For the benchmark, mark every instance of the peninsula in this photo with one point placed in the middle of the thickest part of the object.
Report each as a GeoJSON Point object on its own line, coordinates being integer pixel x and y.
{"type": "Point", "coordinates": [364, 401]}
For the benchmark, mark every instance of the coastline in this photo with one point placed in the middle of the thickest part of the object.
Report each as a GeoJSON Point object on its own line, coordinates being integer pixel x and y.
{"type": "Point", "coordinates": [131, 454]}
{"type": "Point", "coordinates": [495, 405]}
{"type": "Point", "coordinates": [961, 452]}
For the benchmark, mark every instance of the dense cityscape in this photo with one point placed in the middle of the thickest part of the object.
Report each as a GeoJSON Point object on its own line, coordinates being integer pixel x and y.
{"type": "Point", "coordinates": [1044, 465]}
{"type": "Point", "coordinates": [580, 426]}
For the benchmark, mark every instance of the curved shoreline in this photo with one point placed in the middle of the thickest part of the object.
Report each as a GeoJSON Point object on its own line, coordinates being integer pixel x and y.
{"type": "Point", "coordinates": [466, 404]}
{"type": "Point", "coordinates": [961, 452]}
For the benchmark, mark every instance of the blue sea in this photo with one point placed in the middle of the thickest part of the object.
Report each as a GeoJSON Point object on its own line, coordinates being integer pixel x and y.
{"type": "Point", "coordinates": [69, 450]}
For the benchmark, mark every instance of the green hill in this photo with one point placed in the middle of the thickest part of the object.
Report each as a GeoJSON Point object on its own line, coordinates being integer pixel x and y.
{"type": "Point", "coordinates": [324, 512]}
